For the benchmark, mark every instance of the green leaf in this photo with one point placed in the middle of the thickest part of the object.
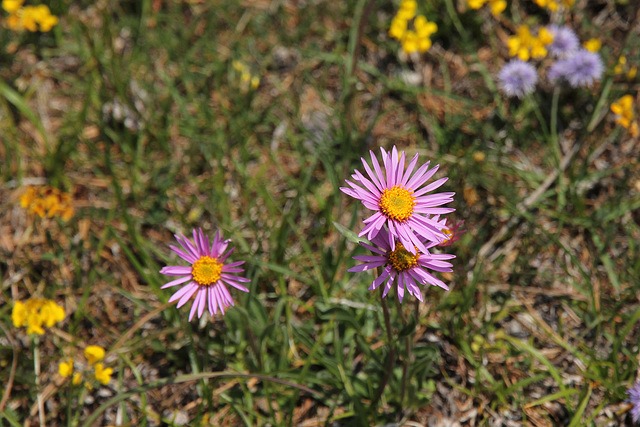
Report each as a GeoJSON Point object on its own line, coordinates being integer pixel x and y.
{"type": "Point", "coordinates": [350, 235]}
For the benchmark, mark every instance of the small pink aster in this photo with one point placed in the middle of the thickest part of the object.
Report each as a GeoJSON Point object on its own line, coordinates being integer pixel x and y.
{"type": "Point", "coordinates": [410, 269]}
{"type": "Point", "coordinates": [400, 200]}
{"type": "Point", "coordinates": [207, 276]}
{"type": "Point", "coordinates": [452, 230]}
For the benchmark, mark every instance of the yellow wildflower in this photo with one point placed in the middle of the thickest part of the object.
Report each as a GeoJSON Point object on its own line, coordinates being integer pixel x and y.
{"type": "Point", "coordinates": [65, 369]}
{"type": "Point", "coordinates": [593, 45]}
{"type": "Point", "coordinates": [623, 109]}
{"type": "Point", "coordinates": [103, 375]}
{"type": "Point", "coordinates": [423, 27]}
{"type": "Point", "coordinates": [410, 42]}
{"type": "Point", "coordinates": [19, 314]}
{"type": "Point", "coordinates": [238, 66]}
{"type": "Point", "coordinates": [621, 66]}
{"type": "Point", "coordinates": [398, 28]}
{"type": "Point", "coordinates": [416, 39]}
{"type": "Point", "coordinates": [13, 22]}
{"type": "Point", "coordinates": [32, 18]}
{"type": "Point", "coordinates": [51, 313]}
{"type": "Point", "coordinates": [28, 16]}
{"type": "Point", "coordinates": [47, 202]}
{"type": "Point", "coordinates": [77, 378]}
{"type": "Point", "coordinates": [553, 5]}
{"type": "Point", "coordinates": [47, 21]}
{"type": "Point", "coordinates": [407, 9]}
{"type": "Point", "coordinates": [94, 353]}
{"type": "Point", "coordinates": [34, 313]}
{"type": "Point", "coordinates": [12, 6]}
{"type": "Point", "coordinates": [525, 45]}
{"type": "Point", "coordinates": [496, 6]}
{"type": "Point", "coordinates": [476, 4]}
{"type": "Point", "coordinates": [255, 82]}
{"type": "Point", "coordinates": [34, 324]}
{"type": "Point", "coordinates": [247, 80]}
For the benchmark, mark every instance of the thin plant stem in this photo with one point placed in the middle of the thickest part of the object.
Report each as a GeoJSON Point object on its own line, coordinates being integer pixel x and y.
{"type": "Point", "coordinates": [554, 124]}
{"type": "Point", "coordinates": [407, 354]}
{"type": "Point", "coordinates": [555, 143]}
{"type": "Point", "coordinates": [391, 355]}
{"type": "Point", "coordinates": [36, 368]}
{"type": "Point", "coordinates": [12, 373]}
{"type": "Point", "coordinates": [364, 11]}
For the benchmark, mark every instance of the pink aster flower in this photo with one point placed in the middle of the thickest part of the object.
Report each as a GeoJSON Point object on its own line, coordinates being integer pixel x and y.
{"type": "Point", "coordinates": [207, 276]}
{"type": "Point", "coordinates": [410, 269]}
{"type": "Point", "coordinates": [399, 200]}
{"type": "Point", "coordinates": [451, 230]}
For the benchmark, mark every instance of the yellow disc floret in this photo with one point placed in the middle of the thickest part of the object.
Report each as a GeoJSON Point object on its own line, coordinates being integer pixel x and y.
{"type": "Point", "coordinates": [397, 203]}
{"type": "Point", "coordinates": [447, 233]}
{"type": "Point", "coordinates": [401, 259]}
{"type": "Point", "coordinates": [206, 270]}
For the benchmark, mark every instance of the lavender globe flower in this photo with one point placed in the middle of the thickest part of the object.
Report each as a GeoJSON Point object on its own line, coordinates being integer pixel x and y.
{"type": "Point", "coordinates": [399, 200]}
{"type": "Point", "coordinates": [580, 69]}
{"type": "Point", "coordinates": [565, 42]}
{"type": "Point", "coordinates": [517, 78]}
{"type": "Point", "coordinates": [559, 70]}
{"type": "Point", "coordinates": [410, 269]}
{"type": "Point", "coordinates": [634, 399]}
{"type": "Point", "coordinates": [585, 68]}
{"type": "Point", "coordinates": [207, 276]}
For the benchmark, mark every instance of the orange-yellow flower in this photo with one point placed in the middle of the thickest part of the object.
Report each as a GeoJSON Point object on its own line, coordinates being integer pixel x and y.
{"type": "Point", "coordinates": [47, 202]}
{"type": "Point", "coordinates": [103, 375]}
{"type": "Point", "coordinates": [525, 45]}
{"type": "Point", "coordinates": [623, 109]}
{"type": "Point", "coordinates": [94, 353]}
{"type": "Point", "coordinates": [36, 312]}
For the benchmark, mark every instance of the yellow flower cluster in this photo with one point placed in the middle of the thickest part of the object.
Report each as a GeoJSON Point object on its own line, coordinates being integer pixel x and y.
{"type": "Point", "coordinates": [525, 45]}
{"type": "Point", "coordinates": [622, 65]}
{"type": "Point", "coordinates": [623, 109]}
{"type": "Point", "coordinates": [47, 201]}
{"type": "Point", "coordinates": [36, 312]}
{"type": "Point", "coordinates": [497, 6]}
{"type": "Point", "coordinates": [418, 39]}
{"type": "Point", "coordinates": [553, 5]}
{"type": "Point", "coordinates": [246, 78]}
{"type": "Point", "coordinates": [29, 18]}
{"type": "Point", "coordinates": [593, 45]}
{"type": "Point", "coordinates": [93, 354]}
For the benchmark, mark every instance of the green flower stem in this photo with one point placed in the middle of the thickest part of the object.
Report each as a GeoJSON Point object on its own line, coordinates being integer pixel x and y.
{"type": "Point", "coordinates": [391, 355]}
{"type": "Point", "coordinates": [36, 369]}
{"type": "Point", "coordinates": [408, 344]}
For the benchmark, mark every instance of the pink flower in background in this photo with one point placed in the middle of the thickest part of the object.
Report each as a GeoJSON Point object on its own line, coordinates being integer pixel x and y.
{"type": "Point", "coordinates": [207, 276]}
{"type": "Point", "coordinates": [451, 229]}
{"type": "Point", "coordinates": [409, 268]}
{"type": "Point", "coordinates": [400, 201]}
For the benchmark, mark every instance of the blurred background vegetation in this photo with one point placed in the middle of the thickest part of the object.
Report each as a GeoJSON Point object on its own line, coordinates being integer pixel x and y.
{"type": "Point", "coordinates": [143, 112]}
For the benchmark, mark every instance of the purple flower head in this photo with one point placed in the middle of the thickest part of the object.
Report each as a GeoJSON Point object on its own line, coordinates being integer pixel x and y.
{"type": "Point", "coordinates": [400, 200]}
{"type": "Point", "coordinates": [410, 269]}
{"type": "Point", "coordinates": [565, 42]}
{"type": "Point", "coordinates": [580, 69]}
{"type": "Point", "coordinates": [634, 399]}
{"type": "Point", "coordinates": [207, 276]}
{"type": "Point", "coordinates": [559, 70]}
{"type": "Point", "coordinates": [517, 78]}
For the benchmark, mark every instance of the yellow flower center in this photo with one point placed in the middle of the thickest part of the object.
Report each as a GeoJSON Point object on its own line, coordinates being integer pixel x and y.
{"type": "Point", "coordinates": [206, 270]}
{"type": "Point", "coordinates": [447, 233]}
{"type": "Point", "coordinates": [401, 259]}
{"type": "Point", "coordinates": [397, 203]}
